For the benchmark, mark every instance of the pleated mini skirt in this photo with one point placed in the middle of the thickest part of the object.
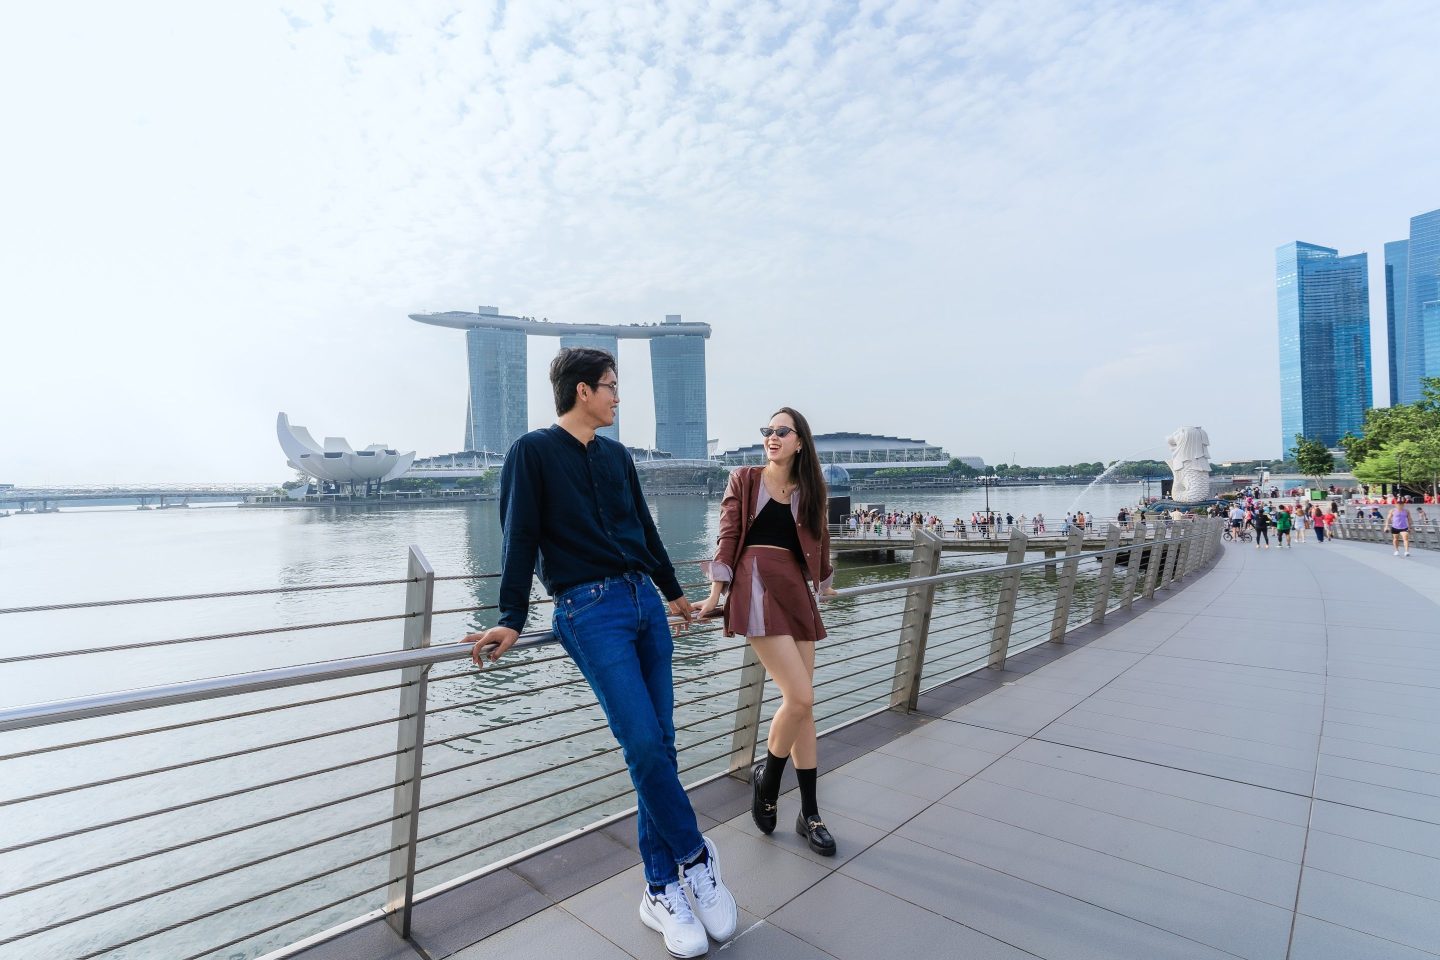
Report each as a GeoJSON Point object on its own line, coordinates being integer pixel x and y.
{"type": "Point", "coordinates": [769, 597]}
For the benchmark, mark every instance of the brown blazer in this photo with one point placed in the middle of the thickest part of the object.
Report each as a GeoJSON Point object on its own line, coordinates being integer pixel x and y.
{"type": "Point", "coordinates": [745, 496]}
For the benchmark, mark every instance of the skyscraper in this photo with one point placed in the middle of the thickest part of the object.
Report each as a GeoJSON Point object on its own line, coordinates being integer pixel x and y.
{"type": "Point", "coordinates": [496, 411]}
{"type": "Point", "coordinates": [1397, 256]}
{"type": "Point", "coordinates": [677, 369]}
{"type": "Point", "coordinates": [1412, 300]}
{"type": "Point", "coordinates": [1323, 305]}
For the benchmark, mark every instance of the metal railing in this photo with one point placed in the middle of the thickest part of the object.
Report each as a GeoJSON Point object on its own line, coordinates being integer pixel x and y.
{"type": "Point", "coordinates": [237, 814]}
{"type": "Point", "coordinates": [1423, 534]}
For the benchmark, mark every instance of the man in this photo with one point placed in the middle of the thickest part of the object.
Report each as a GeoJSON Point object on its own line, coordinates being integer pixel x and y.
{"type": "Point", "coordinates": [572, 500]}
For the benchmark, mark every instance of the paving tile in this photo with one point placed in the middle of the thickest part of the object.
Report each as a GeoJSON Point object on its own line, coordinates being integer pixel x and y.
{"type": "Point", "coordinates": [917, 779]}
{"type": "Point", "coordinates": [1224, 920]}
{"type": "Point", "coordinates": [550, 933]}
{"type": "Point", "coordinates": [1199, 719]}
{"type": "Point", "coordinates": [1319, 940]}
{"type": "Point", "coordinates": [1379, 911]}
{"type": "Point", "coordinates": [1262, 802]}
{"type": "Point", "coordinates": [1417, 760]}
{"type": "Point", "coordinates": [1196, 760]}
{"type": "Point", "coordinates": [1383, 866]}
{"type": "Point", "coordinates": [1386, 775]}
{"type": "Point", "coordinates": [1401, 833]}
{"type": "Point", "coordinates": [1218, 864]}
{"type": "Point", "coordinates": [1263, 835]}
{"type": "Point", "coordinates": [952, 730]}
{"type": "Point", "coordinates": [854, 921]}
{"type": "Point", "coordinates": [473, 911]}
{"type": "Point", "coordinates": [765, 941]}
{"type": "Point", "coordinates": [373, 941]}
{"type": "Point", "coordinates": [571, 867]}
{"type": "Point", "coordinates": [1026, 915]}
{"type": "Point", "coordinates": [1400, 803]}
{"type": "Point", "coordinates": [966, 761]}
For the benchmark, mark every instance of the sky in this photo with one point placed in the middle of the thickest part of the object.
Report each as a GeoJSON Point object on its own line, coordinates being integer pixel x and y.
{"type": "Point", "coordinates": [1036, 232]}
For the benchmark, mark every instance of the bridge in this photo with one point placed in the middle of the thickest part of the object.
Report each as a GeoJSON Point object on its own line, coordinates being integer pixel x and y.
{"type": "Point", "coordinates": [1215, 752]}
{"type": "Point", "coordinates": [48, 500]}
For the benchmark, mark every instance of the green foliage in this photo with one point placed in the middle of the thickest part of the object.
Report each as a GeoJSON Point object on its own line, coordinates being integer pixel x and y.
{"type": "Point", "coordinates": [1385, 426]}
{"type": "Point", "coordinates": [1406, 462]}
{"type": "Point", "coordinates": [1313, 458]}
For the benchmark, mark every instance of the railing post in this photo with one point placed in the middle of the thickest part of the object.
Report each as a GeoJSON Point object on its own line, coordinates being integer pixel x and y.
{"type": "Point", "coordinates": [1065, 594]}
{"type": "Point", "coordinates": [747, 711]}
{"type": "Point", "coordinates": [1107, 576]}
{"type": "Point", "coordinates": [404, 829]}
{"type": "Point", "coordinates": [1132, 564]}
{"type": "Point", "coordinates": [1181, 565]}
{"type": "Point", "coordinates": [1177, 537]}
{"type": "Point", "coordinates": [1005, 609]}
{"type": "Point", "coordinates": [915, 627]}
{"type": "Point", "coordinates": [1155, 560]}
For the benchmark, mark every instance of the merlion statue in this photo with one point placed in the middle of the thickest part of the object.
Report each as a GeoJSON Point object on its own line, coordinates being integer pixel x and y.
{"type": "Point", "coordinates": [1190, 462]}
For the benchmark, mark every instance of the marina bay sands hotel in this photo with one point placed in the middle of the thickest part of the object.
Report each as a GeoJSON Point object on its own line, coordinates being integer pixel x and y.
{"type": "Point", "coordinates": [496, 412]}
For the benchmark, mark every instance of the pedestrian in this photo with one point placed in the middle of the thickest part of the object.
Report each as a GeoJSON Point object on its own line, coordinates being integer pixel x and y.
{"type": "Point", "coordinates": [1260, 520]}
{"type": "Point", "coordinates": [1283, 523]}
{"type": "Point", "coordinates": [1318, 524]}
{"type": "Point", "coordinates": [1398, 520]}
{"type": "Point", "coordinates": [571, 500]}
{"type": "Point", "coordinates": [773, 547]}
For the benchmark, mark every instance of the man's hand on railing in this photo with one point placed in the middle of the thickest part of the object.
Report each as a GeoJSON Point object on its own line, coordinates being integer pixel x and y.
{"type": "Point", "coordinates": [498, 639]}
{"type": "Point", "coordinates": [681, 607]}
{"type": "Point", "coordinates": [829, 592]}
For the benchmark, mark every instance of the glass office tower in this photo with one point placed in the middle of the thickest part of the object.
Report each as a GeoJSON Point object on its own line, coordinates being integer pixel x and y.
{"type": "Point", "coordinates": [1323, 307]}
{"type": "Point", "coordinates": [610, 346]}
{"type": "Point", "coordinates": [1416, 296]}
{"type": "Point", "coordinates": [496, 414]}
{"type": "Point", "coordinates": [1397, 255]}
{"type": "Point", "coordinates": [677, 368]}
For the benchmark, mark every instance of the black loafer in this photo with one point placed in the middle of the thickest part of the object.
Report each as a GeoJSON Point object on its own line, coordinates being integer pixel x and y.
{"type": "Point", "coordinates": [813, 829]}
{"type": "Point", "coordinates": [761, 812]}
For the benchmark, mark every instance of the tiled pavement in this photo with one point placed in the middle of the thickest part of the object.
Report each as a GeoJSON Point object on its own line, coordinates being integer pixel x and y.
{"type": "Point", "coordinates": [1249, 768]}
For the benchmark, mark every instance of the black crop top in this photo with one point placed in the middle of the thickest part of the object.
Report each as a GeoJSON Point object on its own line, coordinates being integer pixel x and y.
{"type": "Point", "coordinates": [774, 526]}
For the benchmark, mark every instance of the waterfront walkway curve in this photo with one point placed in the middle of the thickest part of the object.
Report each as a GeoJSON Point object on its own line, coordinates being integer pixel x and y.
{"type": "Point", "coordinates": [1246, 769]}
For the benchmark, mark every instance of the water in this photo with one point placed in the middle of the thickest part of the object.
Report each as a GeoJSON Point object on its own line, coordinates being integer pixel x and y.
{"type": "Point", "coordinates": [477, 742]}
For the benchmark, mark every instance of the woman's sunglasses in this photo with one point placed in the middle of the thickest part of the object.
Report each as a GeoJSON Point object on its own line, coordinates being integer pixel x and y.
{"type": "Point", "coordinates": [781, 432]}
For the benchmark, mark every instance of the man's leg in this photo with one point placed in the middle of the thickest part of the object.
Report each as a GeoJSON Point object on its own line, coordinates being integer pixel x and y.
{"type": "Point", "coordinates": [604, 640]}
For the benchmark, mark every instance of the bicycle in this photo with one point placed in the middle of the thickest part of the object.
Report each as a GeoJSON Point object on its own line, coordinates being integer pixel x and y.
{"type": "Point", "coordinates": [1245, 535]}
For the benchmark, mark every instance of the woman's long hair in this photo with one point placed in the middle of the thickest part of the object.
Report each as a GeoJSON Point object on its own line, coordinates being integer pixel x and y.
{"type": "Point", "coordinates": [805, 471]}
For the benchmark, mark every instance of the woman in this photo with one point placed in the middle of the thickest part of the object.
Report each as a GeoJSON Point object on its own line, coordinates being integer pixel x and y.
{"type": "Point", "coordinates": [773, 547]}
{"type": "Point", "coordinates": [1398, 521]}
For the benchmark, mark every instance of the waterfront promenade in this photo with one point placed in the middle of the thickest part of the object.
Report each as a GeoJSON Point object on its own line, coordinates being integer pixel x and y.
{"type": "Point", "coordinates": [1246, 769]}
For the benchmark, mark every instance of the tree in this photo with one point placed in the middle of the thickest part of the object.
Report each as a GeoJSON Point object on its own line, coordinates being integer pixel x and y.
{"type": "Point", "coordinates": [1408, 462]}
{"type": "Point", "coordinates": [1313, 457]}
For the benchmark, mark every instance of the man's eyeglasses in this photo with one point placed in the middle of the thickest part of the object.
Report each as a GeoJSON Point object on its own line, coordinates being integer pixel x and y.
{"type": "Point", "coordinates": [613, 386]}
{"type": "Point", "coordinates": [781, 432]}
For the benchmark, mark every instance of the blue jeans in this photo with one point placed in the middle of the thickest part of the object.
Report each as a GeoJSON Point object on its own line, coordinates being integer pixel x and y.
{"type": "Point", "coordinates": [616, 632]}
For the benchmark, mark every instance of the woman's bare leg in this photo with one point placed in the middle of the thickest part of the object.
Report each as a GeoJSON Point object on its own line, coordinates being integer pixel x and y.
{"type": "Point", "coordinates": [792, 665]}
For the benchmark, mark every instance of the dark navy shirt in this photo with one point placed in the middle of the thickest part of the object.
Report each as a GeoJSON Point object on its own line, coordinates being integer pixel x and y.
{"type": "Point", "coordinates": [572, 513]}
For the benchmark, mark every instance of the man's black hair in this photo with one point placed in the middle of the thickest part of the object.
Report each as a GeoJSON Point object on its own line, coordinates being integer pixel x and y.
{"type": "Point", "coordinates": [573, 366]}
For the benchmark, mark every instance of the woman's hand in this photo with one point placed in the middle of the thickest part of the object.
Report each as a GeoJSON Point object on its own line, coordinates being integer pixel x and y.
{"type": "Point", "coordinates": [829, 592]}
{"type": "Point", "coordinates": [708, 605]}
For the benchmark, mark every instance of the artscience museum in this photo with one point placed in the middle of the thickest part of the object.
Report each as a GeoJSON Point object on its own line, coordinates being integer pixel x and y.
{"type": "Point", "coordinates": [337, 462]}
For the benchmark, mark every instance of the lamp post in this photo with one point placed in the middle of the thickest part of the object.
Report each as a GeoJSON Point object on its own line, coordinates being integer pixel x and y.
{"type": "Point", "coordinates": [1399, 476]}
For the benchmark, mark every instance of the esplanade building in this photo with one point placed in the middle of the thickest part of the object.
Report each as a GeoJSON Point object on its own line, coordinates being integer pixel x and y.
{"type": "Point", "coordinates": [496, 345]}
{"type": "Point", "coordinates": [859, 453]}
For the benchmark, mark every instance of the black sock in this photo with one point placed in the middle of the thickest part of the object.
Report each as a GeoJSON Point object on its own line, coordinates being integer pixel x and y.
{"type": "Point", "coordinates": [656, 890]}
{"type": "Point", "coordinates": [809, 806]}
{"type": "Point", "coordinates": [770, 783]}
{"type": "Point", "coordinates": [702, 857]}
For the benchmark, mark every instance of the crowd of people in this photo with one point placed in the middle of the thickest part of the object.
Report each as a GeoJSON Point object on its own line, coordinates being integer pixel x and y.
{"type": "Point", "coordinates": [982, 523]}
{"type": "Point", "coordinates": [1293, 522]}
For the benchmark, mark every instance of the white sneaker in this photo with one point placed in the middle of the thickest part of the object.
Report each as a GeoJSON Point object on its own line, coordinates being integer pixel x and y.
{"type": "Point", "coordinates": [669, 915]}
{"type": "Point", "coordinates": [1396, 553]}
{"type": "Point", "coordinates": [713, 902]}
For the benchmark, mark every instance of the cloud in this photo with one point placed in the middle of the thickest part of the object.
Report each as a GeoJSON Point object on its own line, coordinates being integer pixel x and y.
{"type": "Point", "coordinates": [237, 207]}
